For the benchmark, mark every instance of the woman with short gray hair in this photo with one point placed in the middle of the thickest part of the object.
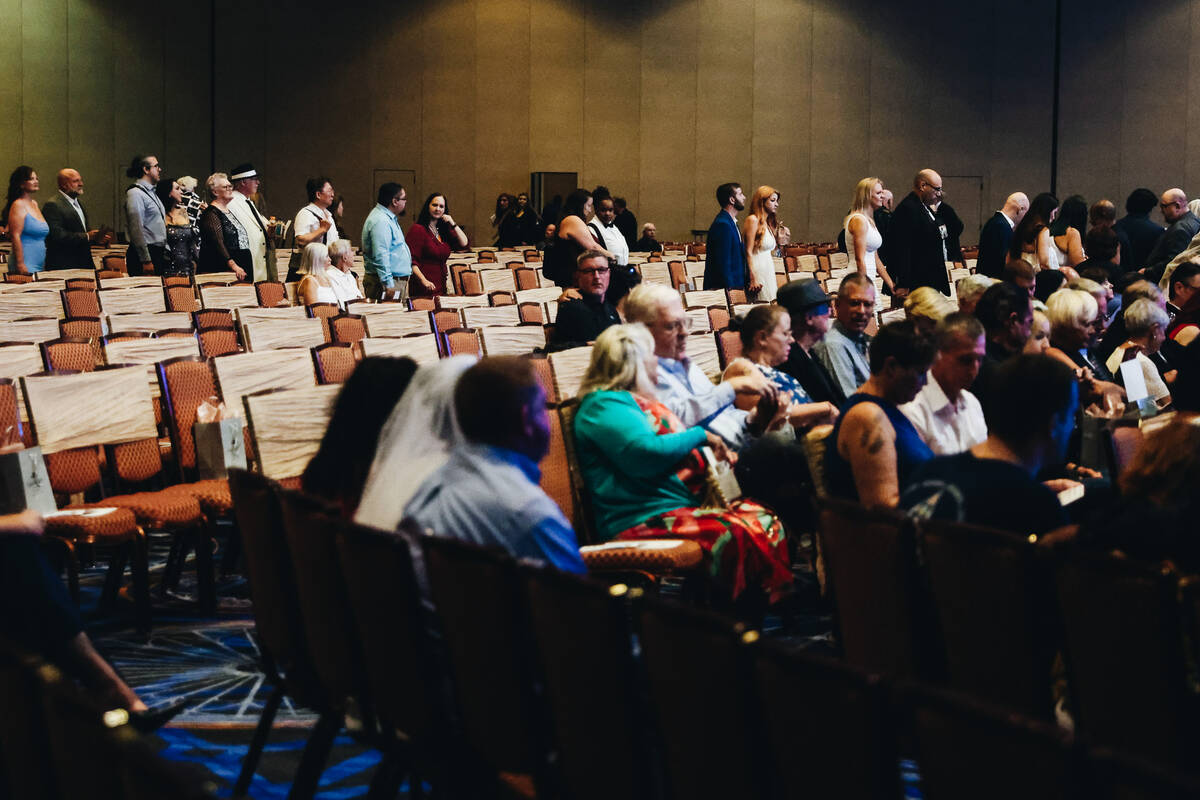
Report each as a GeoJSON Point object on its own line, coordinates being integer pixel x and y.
{"type": "Point", "coordinates": [1146, 326]}
{"type": "Point", "coordinates": [224, 245]}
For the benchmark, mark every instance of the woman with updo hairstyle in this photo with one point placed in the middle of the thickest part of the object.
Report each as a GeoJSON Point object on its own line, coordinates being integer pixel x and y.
{"type": "Point", "coordinates": [925, 307]}
{"type": "Point", "coordinates": [570, 238]}
{"type": "Point", "coordinates": [183, 245]}
{"type": "Point", "coordinates": [646, 473]}
{"type": "Point", "coordinates": [766, 333]}
{"type": "Point", "coordinates": [1031, 240]}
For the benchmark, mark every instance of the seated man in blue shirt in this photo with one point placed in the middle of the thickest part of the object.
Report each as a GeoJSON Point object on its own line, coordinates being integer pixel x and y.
{"type": "Point", "coordinates": [487, 493]}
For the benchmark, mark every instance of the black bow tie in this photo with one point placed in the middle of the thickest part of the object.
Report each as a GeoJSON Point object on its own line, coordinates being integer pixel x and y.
{"type": "Point", "coordinates": [609, 224]}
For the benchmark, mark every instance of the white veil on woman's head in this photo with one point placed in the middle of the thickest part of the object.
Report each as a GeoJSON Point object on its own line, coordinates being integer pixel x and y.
{"type": "Point", "coordinates": [415, 440]}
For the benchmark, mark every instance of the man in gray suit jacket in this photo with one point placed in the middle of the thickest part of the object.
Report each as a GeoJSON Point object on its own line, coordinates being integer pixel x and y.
{"type": "Point", "coordinates": [68, 246]}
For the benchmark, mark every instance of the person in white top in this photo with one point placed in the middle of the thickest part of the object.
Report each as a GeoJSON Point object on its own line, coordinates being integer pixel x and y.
{"type": "Point", "coordinates": [1146, 325]}
{"type": "Point", "coordinates": [344, 282]}
{"type": "Point", "coordinates": [948, 417]}
{"type": "Point", "coordinates": [863, 239]}
{"type": "Point", "coordinates": [245, 182]}
{"type": "Point", "coordinates": [315, 286]}
{"type": "Point", "coordinates": [313, 223]}
{"type": "Point", "coordinates": [761, 234]}
{"type": "Point", "coordinates": [604, 228]}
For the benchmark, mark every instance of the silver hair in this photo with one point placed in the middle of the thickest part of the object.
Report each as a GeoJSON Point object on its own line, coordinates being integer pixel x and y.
{"type": "Point", "coordinates": [315, 259]}
{"type": "Point", "coordinates": [339, 248]}
{"type": "Point", "coordinates": [1070, 307]}
{"type": "Point", "coordinates": [972, 287]}
{"type": "Point", "coordinates": [646, 299]}
{"type": "Point", "coordinates": [1141, 317]}
{"type": "Point", "coordinates": [212, 180]}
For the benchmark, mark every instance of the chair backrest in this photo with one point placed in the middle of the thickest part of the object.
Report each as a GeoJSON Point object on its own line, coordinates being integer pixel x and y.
{"type": "Point", "coordinates": [422, 303]}
{"type": "Point", "coordinates": [16, 277]}
{"type": "Point", "coordinates": [598, 724]}
{"type": "Point", "coordinates": [12, 428]}
{"type": "Point", "coordinates": [397, 322]}
{"type": "Point", "coordinates": [219, 340]}
{"type": "Point", "coordinates": [281, 333]}
{"type": "Point", "coordinates": [149, 350]}
{"type": "Point", "coordinates": [503, 298]}
{"type": "Point", "coordinates": [118, 323]}
{"type": "Point", "coordinates": [460, 301]}
{"type": "Point", "coordinates": [130, 282]}
{"type": "Point", "coordinates": [78, 355]}
{"type": "Point", "coordinates": [531, 312]}
{"type": "Point", "coordinates": [54, 411]}
{"type": "Point", "coordinates": [347, 328]}
{"type": "Point", "coordinates": [1130, 696]}
{"type": "Point", "coordinates": [113, 263]}
{"type": "Point", "coordinates": [309, 526]}
{"type": "Point", "coordinates": [78, 328]}
{"type": "Point", "coordinates": [334, 361]}
{"type": "Point", "coordinates": [527, 278]}
{"type": "Point", "coordinates": [463, 341]}
{"type": "Point", "coordinates": [36, 329]}
{"type": "Point", "coordinates": [177, 280]}
{"type": "Point", "coordinates": [968, 749]}
{"type": "Point", "coordinates": [470, 283]}
{"type": "Point", "coordinates": [322, 310]}
{"type": "Point", "coordinates": [125, 336]}
{"type": "Point", "coordinates": [702, 350]}
{"type": "Point", "coordinates": [184, 383]}
{"type": "Point", "coordinates": [494, 280]}
{"type": "Point", "coordinates": [78, 302]}
{"type": "Point", "coordinates": [729, 345]}
{"type": "Point", "coordinates": [445, 319]}
{"type": "Point", "coordinates": [672, 635]}
{"type": "Point", "coordinates": [705, 297]}
{"type": "Point", "coordinates": [514, 340]}
{"type": "Point", "coordinates": [736, 296]}
{"type": "Point", "coordinates": [134, 300]}
{"type": "Point", "coordinates": [385, 601]}
{"type": "Point", "coordinates": [287, 426]}
{"type": "Point", "coordinates": [699, 318]}
{"type": "Point", "coordinates": [846, 747]}
{"type": "Point", "coordinates": [477, 596]}
{"type": "Point", "coordinates": [884, 623]}
{"type": "Point", "coordinates": [247, 373]}
{"type": "Point", "coordinates": [270, 293]}
{"type": "Point", "coordinates": [994, 601]}
{"type": "Point", "coordinates": [420, 347]}
{"type": "Point", "coordinates": [569, 367]}
{"type": "Point", "coordinates": [234, 296]}
{"type": "Point", "coordinates": [496, 315]}
{"type": "Point", "coordinates": [249, 314]}
{"type": "Point", "coordinates": [212, 317]}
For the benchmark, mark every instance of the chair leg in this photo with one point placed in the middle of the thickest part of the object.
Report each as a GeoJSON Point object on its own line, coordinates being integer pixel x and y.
{"type": "Point", "coordinates": [174, 565]}
{"type": "Point", "coordinates": [205, 579]}
{"type": "Point", "coordinates": [114, 577]}
{"type": "Point", "coordinates": [139, 572]}
{"type": "Point", "coordinates": [385, 783]}
{"type": "Point", "coordinates": [261, 731]}
{"type": "Point", "coordinates": [316, 753]}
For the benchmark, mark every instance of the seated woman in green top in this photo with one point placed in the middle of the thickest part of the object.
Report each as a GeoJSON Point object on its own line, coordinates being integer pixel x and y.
{"type": "Point", "coordinates": [646, 473]}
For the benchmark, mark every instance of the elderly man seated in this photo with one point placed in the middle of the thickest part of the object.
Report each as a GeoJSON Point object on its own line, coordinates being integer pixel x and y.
{"type": "Point", "coordinates": [487, 492]}
{"type": "Point", "coordinates": [843, 351]}
{"type": "Point", "coordinates": [682, 385]}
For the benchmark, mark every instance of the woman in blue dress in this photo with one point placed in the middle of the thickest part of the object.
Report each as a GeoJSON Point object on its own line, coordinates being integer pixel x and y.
{"type": "Point", "coordinates": [26, 226]}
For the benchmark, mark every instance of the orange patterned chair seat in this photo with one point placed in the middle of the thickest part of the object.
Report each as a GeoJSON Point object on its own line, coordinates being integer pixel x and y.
{"type": "Point", "coordinates": [118, 525]}
{"type": "Point", "coordinates": [659, 556]}
{"type": "Point", "coordinates": [158, 509]}
{"type": "Point", "coordinates": [212, 494]}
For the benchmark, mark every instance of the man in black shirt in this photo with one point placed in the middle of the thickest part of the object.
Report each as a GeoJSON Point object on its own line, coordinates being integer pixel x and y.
{"type": "Point", "coordinates": [581, 321]}
{"type": "Point", "coordinates": [993, 483]}
{"type": "Point", "coordinates": [1007, 317]}
{"type": "Point", "coordinates": [808, 306]}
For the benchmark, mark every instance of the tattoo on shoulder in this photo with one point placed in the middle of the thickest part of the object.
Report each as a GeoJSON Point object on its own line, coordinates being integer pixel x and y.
{"type": "Point", "coordinates": [875, 445]}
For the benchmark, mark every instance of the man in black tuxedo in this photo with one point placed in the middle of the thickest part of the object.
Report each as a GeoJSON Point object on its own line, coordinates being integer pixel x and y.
{"type": "Point", "coordinates": [918, 246]}
{"type": "Point", "coordinates": [69, 244]}
{"type": "Point", "coordinates": [996, 236]}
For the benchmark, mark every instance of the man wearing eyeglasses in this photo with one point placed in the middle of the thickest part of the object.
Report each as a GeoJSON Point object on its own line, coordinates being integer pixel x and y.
{"type": "Point", "coordinates": [918, 241]}
{"type": "Point", "coordinates": [1182, 225]}
{"type": "Point", "coordinates": [581, 321]}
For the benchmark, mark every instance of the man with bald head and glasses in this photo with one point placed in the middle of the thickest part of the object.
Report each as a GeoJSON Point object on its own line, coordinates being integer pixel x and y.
{"type": "Point", "coordinates": [918, 240]}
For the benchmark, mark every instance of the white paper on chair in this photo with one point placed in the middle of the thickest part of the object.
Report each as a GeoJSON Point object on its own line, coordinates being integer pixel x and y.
{"type": "Point", "coordinates": [1135, 381]}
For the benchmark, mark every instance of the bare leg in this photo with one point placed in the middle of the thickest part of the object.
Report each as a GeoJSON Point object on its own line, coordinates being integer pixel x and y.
{"type": "Point", "coordinates": [98, 675]}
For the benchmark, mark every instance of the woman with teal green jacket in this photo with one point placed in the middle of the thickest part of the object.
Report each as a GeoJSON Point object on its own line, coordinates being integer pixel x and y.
{"type": "Point", "coordinates": [646, 473]}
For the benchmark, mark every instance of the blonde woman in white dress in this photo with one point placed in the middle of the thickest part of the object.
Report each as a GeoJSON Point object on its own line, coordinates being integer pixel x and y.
{"type": "Point", "coordinates": [863, 239]}
{"type": "Point", "coordinates": [761, 234]}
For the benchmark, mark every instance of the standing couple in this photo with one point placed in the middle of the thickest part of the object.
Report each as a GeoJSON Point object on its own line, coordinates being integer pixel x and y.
{"type": "Point", "coordinates": [743, 259]}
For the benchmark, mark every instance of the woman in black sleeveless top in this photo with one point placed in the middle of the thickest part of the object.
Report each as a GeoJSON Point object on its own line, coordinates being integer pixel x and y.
{"type": "Point", "coordinates": [571, 239]}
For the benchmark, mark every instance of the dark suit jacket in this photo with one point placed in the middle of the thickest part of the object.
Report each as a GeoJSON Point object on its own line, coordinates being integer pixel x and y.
{"type": "Point", "coordinates": [725, 259]}
{"type": "Point", "coordinates": [1173, 241]}
{"type": "Point", "coordinates": [993, 246]}
{"type": "Point", "coordinates": [67, 244]}
{"type": "Point", "coordinates": [1143, 233]}
{"type": "Point", "coordinates": [915, 247]}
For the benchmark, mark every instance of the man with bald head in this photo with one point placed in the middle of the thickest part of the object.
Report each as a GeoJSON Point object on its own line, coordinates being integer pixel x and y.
{"type": "Point", "coordinates": [1182, 225]}
{"type": "Point", "coordinates": [918, 241]}
{"type": "Point", "coordinates": [68, 246]}
{"type": "Point", "coordinates": [997, 234]}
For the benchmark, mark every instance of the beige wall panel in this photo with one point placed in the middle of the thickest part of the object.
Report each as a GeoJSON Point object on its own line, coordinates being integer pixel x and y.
{"type": "Point", "coordinates": [1155, 98]}
{"type": "Point", "coordinates": [187, 116]}
{"type": "Point", "coordinates": [782, 106]}
{"type": "Point", "coordinates": [840, 132]}
{"type": "Point", "coordinates": [44, 88]}
{"type": "Point", "coordinates": [138, 78]}
{"type": "Point", "coordinates": [88, 106]}
{"type": "Point", "coordinates": [612, 109]}
{"type": "Point", "coordinates": [242, 98]}
{"type": "Point", "coordinates": [724, 101]}
{"type": "Point", "coordinates": [1192, 123]}
{"type": "Point", "coordinates": [502, 103]}
{"type": "Point", "coordinates": [395, 79]}
{"type": "Point", "coordinates": [448, 115]}
{"type": "Point", "coordinates": [1090, 119]}
{"type": "Point", "coordinates": [668, 194]}
{"type": "Point", "coordinates": [11, 132]}
{"type": "Point", "coordinates": [556, 34]}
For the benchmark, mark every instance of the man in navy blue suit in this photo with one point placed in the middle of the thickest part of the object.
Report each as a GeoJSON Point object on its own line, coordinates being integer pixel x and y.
{"type": "Point", "coordinates": [725, 259]}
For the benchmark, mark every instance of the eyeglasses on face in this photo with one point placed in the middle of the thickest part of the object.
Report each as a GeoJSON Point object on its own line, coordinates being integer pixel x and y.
{"type": "Point", "coordinates": [589, 271]}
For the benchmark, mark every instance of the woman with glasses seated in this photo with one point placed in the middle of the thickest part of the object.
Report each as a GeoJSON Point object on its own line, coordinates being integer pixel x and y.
{"type": "Point", "coordinates": [647, 475]}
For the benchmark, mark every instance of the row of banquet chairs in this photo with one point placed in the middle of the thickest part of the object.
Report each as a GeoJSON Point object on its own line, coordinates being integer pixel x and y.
{"type": "Point", "coordinates": [484, 677]}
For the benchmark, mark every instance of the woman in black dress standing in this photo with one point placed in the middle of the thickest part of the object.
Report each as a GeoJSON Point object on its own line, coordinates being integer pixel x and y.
{"type": "Point", "coordinates": [224, 245]}
{"type": "Point", "coordinates": [183, 244]}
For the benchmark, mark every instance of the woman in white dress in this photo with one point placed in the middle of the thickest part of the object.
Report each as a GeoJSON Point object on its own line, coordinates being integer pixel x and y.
{"type": "Point", "coordinates": [1031, 240]}
{"type": "Point", "coordinates": [761, 234]}
{"type": "Point", "coordinates": [863, 239]}
{"type": "Point", "coordinates": [315, 286]}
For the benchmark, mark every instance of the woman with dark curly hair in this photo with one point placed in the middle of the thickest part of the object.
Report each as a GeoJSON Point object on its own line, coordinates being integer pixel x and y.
{"type": "Point", "coordinates": [431, 240]}
{"type": "Point", "coordinates": [26, 226]}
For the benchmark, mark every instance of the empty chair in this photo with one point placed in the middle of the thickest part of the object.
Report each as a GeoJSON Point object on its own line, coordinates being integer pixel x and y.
{"type": "Point", "coordinates": [347, 328]}
{"type": "Point", "coordinates": [334, 362]}
{"type": "Point", "coordinates": [422, 303]}
{"type": "Point", "coordinates": [212, 317]}
{"type": "Point", "coordinates": [81, 328]}
{"type": "Point", "coordinates": [219, 341]}
{"type": "Point", "coordinates": [503, 298]}
{"type": "Point", "coordinates": [270, 293]}
{"type": "Point", "coordinates": [718, 319]}
{"type": "Point", "coordinates": [78, 355]}
{"type": "Point", "coordinates": [462, 341]}
{"type": "Point", "coordinates": [80, 303]}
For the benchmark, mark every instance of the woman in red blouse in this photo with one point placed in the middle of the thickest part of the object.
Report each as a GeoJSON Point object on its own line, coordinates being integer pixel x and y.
{"type": "Point", "coordinates": [431, 239]}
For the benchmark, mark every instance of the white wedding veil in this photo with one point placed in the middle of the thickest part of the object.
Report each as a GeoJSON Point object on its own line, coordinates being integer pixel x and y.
{"type": "Point", "coordinates": [415, 440]}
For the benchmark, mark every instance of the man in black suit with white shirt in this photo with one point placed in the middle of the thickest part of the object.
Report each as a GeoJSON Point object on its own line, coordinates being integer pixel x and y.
{"type": "Point", "coordinates": [996, 235]}
{"type": "Point", "coordinates": [69, 244]}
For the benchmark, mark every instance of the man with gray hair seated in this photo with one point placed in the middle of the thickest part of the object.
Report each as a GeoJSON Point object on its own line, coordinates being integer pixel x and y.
{"type": "Point", "coordinates": [682, 385]}
{"type": "Point", "coordinates": [1145, 328]}
{"type": "Point", "coordinates": [843, 351]}
{"type": "Point", "coordinates": [968, 290]}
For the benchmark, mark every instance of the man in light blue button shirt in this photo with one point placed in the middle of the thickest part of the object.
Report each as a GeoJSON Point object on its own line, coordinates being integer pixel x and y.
{"type": "Point", "coordinates": [388, 260]}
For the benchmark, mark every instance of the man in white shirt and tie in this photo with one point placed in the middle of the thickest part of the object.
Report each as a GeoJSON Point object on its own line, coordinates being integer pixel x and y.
{"type": "Point", "coordinates": [262, 248]}
{"type": "Point", "coordinates": [69, 244]}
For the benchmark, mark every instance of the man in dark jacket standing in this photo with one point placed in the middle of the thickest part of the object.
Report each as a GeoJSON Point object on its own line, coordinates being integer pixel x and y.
{"type": "Point", "coordinates": [917, 243]}
{"type": "Point", "coordinates": [996, 236]}
{"type": "Point", "coordinates": [725, 259]}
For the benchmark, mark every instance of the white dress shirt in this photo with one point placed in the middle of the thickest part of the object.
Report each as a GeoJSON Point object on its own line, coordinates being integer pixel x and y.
{"type": "Point", "coordinates": [612, 240]}
{"type": "Point", "coordinates": [947, 427]}
{"type": "Point", "coordinates": [74, 202]}
{"type": "Point", "coordinates": [308, 219]}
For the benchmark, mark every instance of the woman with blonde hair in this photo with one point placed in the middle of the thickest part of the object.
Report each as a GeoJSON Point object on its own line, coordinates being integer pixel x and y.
{"type": "Point", "coordinates": [315, 286]}
{"type": "Point", "coordinates": [761, 234]}
{"type": "Point", "coordinates": [863, 239]}
{"type": "Point", "coordinates": [647, 474]}
{"type": "Point", "coordinates": [925, 307]}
